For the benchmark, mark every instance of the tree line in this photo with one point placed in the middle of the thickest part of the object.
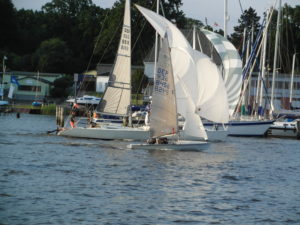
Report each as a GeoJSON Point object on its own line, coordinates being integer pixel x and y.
{"type": "Point", "coordinates": [72, 36]}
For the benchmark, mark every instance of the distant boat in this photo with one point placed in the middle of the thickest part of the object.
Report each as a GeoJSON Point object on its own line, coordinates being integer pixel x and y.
{"type": "Point", "coordinates": [36, 102]}
{"type": "Point", "coordinates": [85, 100]}
{"type": "Point", "coordinates": [285, 127]}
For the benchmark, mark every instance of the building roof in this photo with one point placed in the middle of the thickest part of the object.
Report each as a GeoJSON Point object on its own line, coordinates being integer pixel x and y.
{"type": "Point", "coordinates": [38, 79]}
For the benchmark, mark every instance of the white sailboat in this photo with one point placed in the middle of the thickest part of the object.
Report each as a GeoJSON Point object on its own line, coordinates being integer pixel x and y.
{"type": "Point", "coordinates": [164, 110]}
{"type": "Point", "coordinates": [36, 101]}
{"type": "Point", "coordinates": [233, 81]}
{"type": "Point", "coordinates": [197, 78]}
{"type": "Point", "coordinates": [117, 97]}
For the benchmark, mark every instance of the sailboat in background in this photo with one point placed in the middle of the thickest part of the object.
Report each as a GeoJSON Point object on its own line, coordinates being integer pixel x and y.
{"type": "Point", "coordinates": [164, 110]}
{"type": "Point", "coordinates": [288, 123]}
{"type": "Point", "coordinates": [117, 97]}
{"type": "Point", "coordinates": [231, 66]}
{"type": "Point", "coordinates": [36, 102]}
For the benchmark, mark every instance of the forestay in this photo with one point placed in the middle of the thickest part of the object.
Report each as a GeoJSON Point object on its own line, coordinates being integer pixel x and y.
{"type": "Point", "coordinates": [116, 99]}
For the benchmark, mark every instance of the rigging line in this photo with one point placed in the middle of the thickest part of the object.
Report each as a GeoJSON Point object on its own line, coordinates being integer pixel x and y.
{"type": "Point", "coordinates": [241, 6]}
{"type": "Point", "coordinates": [82, 84]}
{"type": "Point", "coordinates": [117, 30]}
{"type": "Point", "coordinates": [98, 38]}
{"type": "Point", "coordinates": [145, 21]}
{"type": "Point", "coordinates": [135, 43]}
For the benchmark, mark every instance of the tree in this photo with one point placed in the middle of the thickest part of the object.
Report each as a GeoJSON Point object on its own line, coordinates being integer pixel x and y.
{"type": "Point", "coordinates": [53, 55]}
{"type": "Point", "coordinates": [290, 37]}
{"type": "Point", "coordinates": [247, 20]}
{"type": "Point", "coordinates": [61, 87]}
{"type": "Point", "coordinates": [9, 27]}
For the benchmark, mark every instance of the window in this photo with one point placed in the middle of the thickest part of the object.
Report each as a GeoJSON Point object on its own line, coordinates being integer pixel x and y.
{"type": "Point", "coordinates": [29, 88]}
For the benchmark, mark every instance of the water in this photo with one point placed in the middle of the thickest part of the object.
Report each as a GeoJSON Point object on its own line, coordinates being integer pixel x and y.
{"type": "Point", "coordinates": [48, 179]}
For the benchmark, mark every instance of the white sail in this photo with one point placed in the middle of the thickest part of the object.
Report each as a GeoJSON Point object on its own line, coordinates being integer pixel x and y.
{"type": "Point", "coordinates": [193, 127]}
{"type": "Point", "coordinates": [196, 77]}
{"type": "Point", "coordinates": [163, 109]}
{"type": "Point", "coordinates": [117, 96]}
{"type": "Point", "coordinates": [232, 66]}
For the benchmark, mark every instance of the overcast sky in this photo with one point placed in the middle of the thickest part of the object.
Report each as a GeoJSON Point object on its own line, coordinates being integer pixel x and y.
{"type": "Point", "coordinates": [213, 10]}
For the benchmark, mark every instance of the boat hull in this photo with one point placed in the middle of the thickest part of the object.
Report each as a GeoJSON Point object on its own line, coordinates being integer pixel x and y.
{"type": "Point", "coordinates": [249, 128]}
{"type": "Point", "coordinates": [181, 145]}
{"type": "Point", "coordinates": [284, 129]}
{"type": "Point", "coordinates": [107, 133]}
{"type": "Point", "coordinates": [244, 128]}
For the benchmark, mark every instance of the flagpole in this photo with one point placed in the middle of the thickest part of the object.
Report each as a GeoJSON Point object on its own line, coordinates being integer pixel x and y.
{"type": "Point", "coordinates": [2, 85]}
{"type": "Point", "coordinates": [225, 17]}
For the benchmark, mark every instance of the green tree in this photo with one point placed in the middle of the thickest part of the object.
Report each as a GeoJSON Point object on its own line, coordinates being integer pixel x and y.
{"type": "Point", "coordinates": [61, 87]}
{"type": "Point", "coordinates": [289, 37]}
{"type": "Point", "coordinates": [248, 19]}
{"type": "Point", "coordinates": [9, 27]}
{"type": "Point", "coordinates": [53, 55]}
{"type": "Point", "coordinates": [139, 81]}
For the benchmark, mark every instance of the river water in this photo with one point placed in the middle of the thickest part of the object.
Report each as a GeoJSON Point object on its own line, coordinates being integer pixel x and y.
{"type": "Point", "coordinates": [48, 179]}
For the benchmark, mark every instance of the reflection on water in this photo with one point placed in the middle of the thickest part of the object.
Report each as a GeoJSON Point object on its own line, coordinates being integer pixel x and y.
{"type": "Point", "coordinates": [48, 179]}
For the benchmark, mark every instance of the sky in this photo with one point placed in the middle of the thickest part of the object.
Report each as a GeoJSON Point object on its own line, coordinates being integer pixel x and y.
{"type": "Point", "coordinates": [212, 10]}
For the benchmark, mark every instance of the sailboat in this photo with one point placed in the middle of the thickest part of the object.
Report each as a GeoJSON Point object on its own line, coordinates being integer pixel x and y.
{"type": "Point", "coordinates": [117, 96]}
{"type": "Point", "coordinates": [200, 89]}
{"type": "Point", "coordinates": [232, 75]}
{"type": "Point", "coordinates": [164, 110]}
{"type": "Point", "coordinates": [36, 103]}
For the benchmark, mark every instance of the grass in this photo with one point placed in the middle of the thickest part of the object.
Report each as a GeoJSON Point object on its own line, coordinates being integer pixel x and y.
{"type": "Point", "coordinates": [49, 109]}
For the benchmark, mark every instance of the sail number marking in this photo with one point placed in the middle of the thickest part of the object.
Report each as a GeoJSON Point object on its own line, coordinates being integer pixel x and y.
{"type": "Point", "coordinates": [125, 39]}
{"type": "Point", "coordinates": [161, 81]}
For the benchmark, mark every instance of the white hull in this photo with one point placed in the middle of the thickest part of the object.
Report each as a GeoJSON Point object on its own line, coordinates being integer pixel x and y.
{"type": "Point", "coordinates": [107, 133]}
{"type": "Point", "coordinates": [249, 128]}
{"type": "Point", "coordinates": [284, 129]}
{"type": "Point", "coordinates": [244, 128]}
{"type": "Point", "coordinates": [177, 145]}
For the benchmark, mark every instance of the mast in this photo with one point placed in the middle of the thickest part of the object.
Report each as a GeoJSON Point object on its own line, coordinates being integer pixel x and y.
{"type": "Point", "coordinates": [2, 85]}
{"type": "Point", "coordinates": [263, 72]}
{"type": "Point", "coordinates": [194, 36]}
{"type": "Point", "coordinates": [292, 79]}
{"type": "Point", "coordinates": [275, 56]}
{"type": "Point", "coordinates": [36, 85]}
{"type": "Point", "coordinates": [225, 17]}
{"type": "Point", "coordinates": [156, 41]}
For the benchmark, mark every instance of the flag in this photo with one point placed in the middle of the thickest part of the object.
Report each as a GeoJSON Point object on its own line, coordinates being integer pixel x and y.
{"type": "Point", "coordinates": [11, 91]}
{"type": "Point", "coordinates": [13, 80]}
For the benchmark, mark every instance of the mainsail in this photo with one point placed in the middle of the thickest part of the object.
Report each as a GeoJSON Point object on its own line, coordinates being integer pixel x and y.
{"type": "Point", "coordinates": [117, 96]}
{"type": "Point", "coordinates": [163, 108]}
